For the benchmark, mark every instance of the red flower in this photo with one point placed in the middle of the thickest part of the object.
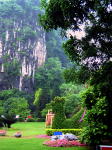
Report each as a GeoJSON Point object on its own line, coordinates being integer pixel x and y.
{"type": "Point", "coordinates": [29, 116]}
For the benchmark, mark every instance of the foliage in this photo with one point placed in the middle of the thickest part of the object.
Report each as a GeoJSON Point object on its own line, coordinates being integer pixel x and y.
{"type": "Point", "coordinates": [5, 94]}
{"type": "Point", "coordinates": [18, 106]}
{"type": "Point", "coordinates": [32, 120]}
{"type": "Point", "coordinates": [93, 51]}
{"type": "Point", "coordinates": [72, 104]}
{"type": "Point", "coordinates": [21, 119]}
{"type": "Point", "coordinates": [54, 47]}
{"type": "Point", "coordinates": [41, 119]}
{"type": "Point", "coordinates": [12, 103]}
{"type": "Point", "coordinates": [45, 110]}
{"type": "Point", "coordinates": [71, 93]}
{"type": "Point", "coordinates": [97, 100]}
{"type": "Point", "coordinates": [49, 78]}
{"type": "Point", "coordinates": [1, 108]}
{"type": "Point", "coordinates": [71, 15]}
{"type": "Point", "coordinates": [67, 124]}
{"type": "Point", "coordinates": [58, 110]}
{"type": "Point", "coordinates": [20, 32]}
{"type": "Point", "coordinates": [37, 96]}
{"type": "Point", "coordinates": [28, 33]}
{"type": "Point", "coordinates": [74, 121]}
{"type": "Point", "coordinates": [77, 74]}
{"type": "Point", "coordinates": [73, 131]}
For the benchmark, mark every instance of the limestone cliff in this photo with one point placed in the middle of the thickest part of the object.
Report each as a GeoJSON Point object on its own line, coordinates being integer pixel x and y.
{"type": "Point", "coordinates": [21, 39]}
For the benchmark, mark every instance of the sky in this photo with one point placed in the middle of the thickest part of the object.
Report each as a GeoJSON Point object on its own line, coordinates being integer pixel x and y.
{"type": "Point", "coordinates": [78, 34]}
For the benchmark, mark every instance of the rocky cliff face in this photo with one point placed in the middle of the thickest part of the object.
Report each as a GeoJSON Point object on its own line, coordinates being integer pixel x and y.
{"type": "Point", "coordinates": [21, 40]}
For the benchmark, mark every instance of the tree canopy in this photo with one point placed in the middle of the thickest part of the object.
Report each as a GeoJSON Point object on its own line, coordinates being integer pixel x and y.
{"type": "Point", "coordinates": [96, 47]}
{"type": "Point", "coordinates": [48, 78]}
{"type": "Point", "coordinates": [93, 53]}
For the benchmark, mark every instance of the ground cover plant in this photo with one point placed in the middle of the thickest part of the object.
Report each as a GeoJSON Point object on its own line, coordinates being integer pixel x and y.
{"type": "Point", "coordinates": [28, 141]}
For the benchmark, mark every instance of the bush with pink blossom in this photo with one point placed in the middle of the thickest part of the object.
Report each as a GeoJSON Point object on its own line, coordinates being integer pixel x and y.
{"type": "Point", "coordinates": [63, 143]}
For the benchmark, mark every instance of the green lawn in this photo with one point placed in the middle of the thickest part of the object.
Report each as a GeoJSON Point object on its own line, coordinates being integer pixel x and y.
{"type": "Point", "coordinates": [28, 141]}
{"type": "Point", "coordinates": [27, 128]}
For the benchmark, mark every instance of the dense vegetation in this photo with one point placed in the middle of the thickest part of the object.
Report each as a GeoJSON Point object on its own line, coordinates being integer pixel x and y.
{"type": "Point", "coordinates": [91, 56]}
{"type": "Point", "coordinates": [49, 78]}
{"type": "Point", "coordinates": [54, 47]}
{"type": "Point", "coordinates": [93, 53]}
{"type": "Point", "coordinates": [19, 32]}
{"type": "Point", "coordinates": [12, 103]}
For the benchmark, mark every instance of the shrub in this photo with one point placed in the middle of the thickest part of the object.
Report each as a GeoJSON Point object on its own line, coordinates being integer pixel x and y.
{"type": "Point", "coordinates": [21, 119]}
{"type": "Point", "coordinates": [73, 131]}
{"type": "Point", "coordinates": [67, 124]}
{"type": "Point", "coordinates": [41, 119]}
{"type": "Point", "coordinates": [74, 122]}
{"type": "Point", "coordinates": [32, 120]}
{"type": "Point", "coordinates": [58, 110]}
{"type": "Point", "coordinates": [1, 123]}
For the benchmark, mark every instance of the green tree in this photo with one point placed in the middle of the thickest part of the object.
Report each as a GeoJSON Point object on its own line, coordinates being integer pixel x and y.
{"type": "Point", "coordinates": [54, 47]}
{"type": "Point", "coordinates": [71, 93]}
{"type": "Point", "coordinates": [97, 100]}
{"type": "Point", "coordinates": [37, 96]}
{"type": "Point", "coordinates": [13, 102]}
{"type": "Point", "coordinates": [16, 106]}
{"type": "Point", "coordinates": [49, 77]}
{"type": "Point", "coordinates": [93, 51]}
{"type": "Point", "coordinates": [95, 48]}
{"type": "Point", "coordinates": [36, 102]}
{"type": "Point", "coordinates": [45, 110]}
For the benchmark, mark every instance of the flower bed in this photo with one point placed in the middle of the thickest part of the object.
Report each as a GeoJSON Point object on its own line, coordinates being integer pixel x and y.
{"type": "Point", "coordinates": [63, 143]}
{"type": "Point", "coordinates": [2, 132]}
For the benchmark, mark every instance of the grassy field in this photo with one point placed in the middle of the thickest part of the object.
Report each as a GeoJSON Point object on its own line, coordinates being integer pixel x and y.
{"type": "Point", "coordinates": [29, 140]}
{"type": "Point", "coordinates": [27, 128]}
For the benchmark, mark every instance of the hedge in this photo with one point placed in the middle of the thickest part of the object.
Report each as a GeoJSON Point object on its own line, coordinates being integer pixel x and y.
{"type": "Point", "coordinates": [73, 131]}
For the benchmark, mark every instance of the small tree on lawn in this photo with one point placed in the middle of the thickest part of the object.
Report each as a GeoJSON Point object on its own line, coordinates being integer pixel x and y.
{"type": "Point", "coordinates": [14, 106]}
